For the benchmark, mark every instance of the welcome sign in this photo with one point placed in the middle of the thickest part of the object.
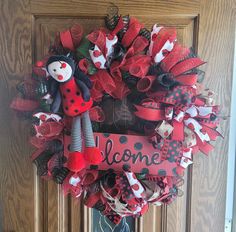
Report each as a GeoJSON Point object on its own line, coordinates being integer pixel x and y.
{"type": "Point", "coordinates": [130, 152]}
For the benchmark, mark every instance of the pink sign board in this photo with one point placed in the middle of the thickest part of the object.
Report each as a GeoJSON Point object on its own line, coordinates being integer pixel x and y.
{"type": "Point", "coordinates": [130, 152]}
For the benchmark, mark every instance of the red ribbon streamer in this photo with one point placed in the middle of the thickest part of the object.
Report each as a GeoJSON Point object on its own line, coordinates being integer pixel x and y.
{"type": "Point", "coordinates": [204, 147]}
{"type": "Point", "coordinates": [213, 133]}
{"type": "Point", "coordinates": [149, 114]}
{"type": "Point", "coordinates": [177, 54]}
{"type": "Point", "coordinates": [178, 132]}
{"type": "Point", "coordinates": [96, 114]}
{"type": "Point", "coordinates": [84, 65]}
{"type": "Point", "coordinates": [188, 79]}
{"type": "Point", "coordinates": [98, 38]}
{"type": "Point", "coordinates": [76, 34]}
{"type": "Point", "coordinates": [186, 65]}
{"type": "Point", "coordinates": [21, 104]}
{"type": "Point", "coordinates": [119, 26]}
{"type": "Point", "coordinates": [161, 38]}
{"type": "Point", "coordinates": [103, 82]}
{"type": "Point", "coordinates": [66, 40]}
{"type": "Point", "coordinates": [139, 44]}
{"type": "Point", "coordinates": [133, 30]}
{"type": "Point", "coordinates": [49, 129]}
{"type": "Point", "coordinates": [137, 65]}
{"type": "Point", "coordinates": [145, 83]}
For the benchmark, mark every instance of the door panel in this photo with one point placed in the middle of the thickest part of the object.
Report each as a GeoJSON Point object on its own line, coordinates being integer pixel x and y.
{"type": "Point", "coordinates": [216, 46]}
{"type": "Point", "coordinates": [99, 8]}
{"type": "Point", "coordinates": [31, 204]}
{"type": "Point", "coordinates": [16, 172]}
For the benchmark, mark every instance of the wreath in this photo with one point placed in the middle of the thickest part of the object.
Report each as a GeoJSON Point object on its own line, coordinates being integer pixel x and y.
{"type": "Point", "coordinates": [144, 85]}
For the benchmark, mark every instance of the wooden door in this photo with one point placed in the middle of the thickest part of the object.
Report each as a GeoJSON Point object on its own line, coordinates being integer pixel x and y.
{"type": "Point", "coordinates": [29, 204]}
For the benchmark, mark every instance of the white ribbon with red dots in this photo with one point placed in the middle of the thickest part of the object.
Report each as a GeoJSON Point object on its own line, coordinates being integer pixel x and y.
{"type": "Point", "coordinates": [99, 59]}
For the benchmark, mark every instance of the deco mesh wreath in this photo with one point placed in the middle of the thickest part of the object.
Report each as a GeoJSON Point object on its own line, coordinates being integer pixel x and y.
{"type": "Point", "coordinates": [144, 85]}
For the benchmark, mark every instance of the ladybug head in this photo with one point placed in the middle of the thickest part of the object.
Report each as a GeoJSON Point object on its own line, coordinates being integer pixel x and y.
{"type": "Point", "coordinates": [61, 68]}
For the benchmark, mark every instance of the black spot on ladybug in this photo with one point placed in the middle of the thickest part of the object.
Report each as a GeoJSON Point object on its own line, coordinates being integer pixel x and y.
{"type": "Point", "coordinates": [66, 108]}
{"type": "Point", "coordinates": [72, 101]}
{"type": "Point", "coordinates": [68, 90]}
{"type": "Point", "coordinates": [76, 111]}
{"type": "Point", "coordinates": [82, 104]}
{"type": "Point", "coordinates": [64, 96]}
{"type": "Point", "coordinates": [77, 93]}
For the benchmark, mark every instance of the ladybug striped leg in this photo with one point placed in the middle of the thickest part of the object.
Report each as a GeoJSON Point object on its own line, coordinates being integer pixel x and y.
{"type": "Point", "coordinates": [91, 153]}
{"type": "Point", "coordinates": [76, 161]}
{"type": "Point", "coordinates": [87, 130]}
{"type": "Point", "coordinates": [76, 139]}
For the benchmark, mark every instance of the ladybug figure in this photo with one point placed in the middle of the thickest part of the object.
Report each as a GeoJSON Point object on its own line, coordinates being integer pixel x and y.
{"type": "Point", "coordinates": [70, 87]}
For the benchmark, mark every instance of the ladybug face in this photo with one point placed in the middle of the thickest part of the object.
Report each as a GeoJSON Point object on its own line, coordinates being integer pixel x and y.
{"type": "Point", "coordinates": [60, 71]}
